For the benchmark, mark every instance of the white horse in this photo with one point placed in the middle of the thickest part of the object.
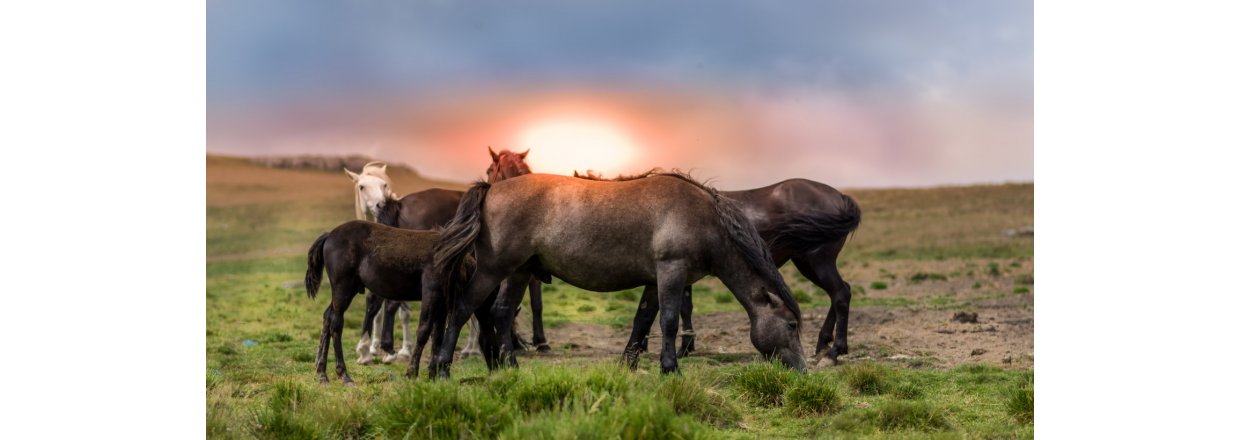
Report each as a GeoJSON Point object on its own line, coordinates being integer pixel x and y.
{"type": "Point", "coordinates": [372, 189]}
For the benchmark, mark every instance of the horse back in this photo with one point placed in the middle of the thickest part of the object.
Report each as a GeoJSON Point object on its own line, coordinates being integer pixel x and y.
{"type": "Point", "coordinates": [428, 209]}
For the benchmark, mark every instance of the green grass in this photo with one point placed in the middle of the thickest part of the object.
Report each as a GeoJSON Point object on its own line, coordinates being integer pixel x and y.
{"type": "Point", "coordinates": [878, 285]}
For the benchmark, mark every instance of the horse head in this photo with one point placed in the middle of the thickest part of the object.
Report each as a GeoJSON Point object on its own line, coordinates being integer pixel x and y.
{"type": "Point", "coordinates": [370, 190]}
{"type": "Point", "coordinates": [506, 165]}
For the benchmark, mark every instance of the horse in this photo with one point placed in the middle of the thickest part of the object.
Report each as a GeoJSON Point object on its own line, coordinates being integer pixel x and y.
{"type": "Point", "coordinates": [800, 220]}
{"type": "Point", "coordinates": [371, 186]}
{"type": "Point", "coordinates": [394, 264]}
{"type": "Point", "coordinates": [433, 208]}
{"type": "Point", "coordinates": [660, 230]}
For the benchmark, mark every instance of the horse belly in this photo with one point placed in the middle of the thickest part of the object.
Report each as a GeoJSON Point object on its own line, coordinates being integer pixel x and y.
{"type": "Point", "coordinates": [392, 283]}
{"type": "Point", "coordinates": [598, 270]}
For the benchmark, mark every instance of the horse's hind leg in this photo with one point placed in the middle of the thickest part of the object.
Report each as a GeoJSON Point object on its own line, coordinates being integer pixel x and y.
{"type": "Point", "coordinates": [504, 313]}
{"type": "Point", "coordinates": [647, 310]}
{"type": "Point", "coordinates": [373, 305]}
{"type": "Point", "coordinates": [671, 276]}
{"type": "Point", "coordinates": [820, 268]}
{"type": "Point", "coordinates": [340, 303]}
{"type": "Point", "coordinates": [536, 310]}
{"type": "Point", "coordinates": [686, 313]}
{"type": "Point", "coordinates": [320, 357]}
{"type": "Point", "coordinates": [471, 343]}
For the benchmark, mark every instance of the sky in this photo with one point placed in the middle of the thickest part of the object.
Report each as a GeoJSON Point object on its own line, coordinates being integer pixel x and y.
{"type": "Point", "coordinates": [849, 93]}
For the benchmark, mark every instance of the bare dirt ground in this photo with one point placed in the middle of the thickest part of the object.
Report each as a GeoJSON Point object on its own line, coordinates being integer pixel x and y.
{"type": "Point", "coordinates": [915, 324]}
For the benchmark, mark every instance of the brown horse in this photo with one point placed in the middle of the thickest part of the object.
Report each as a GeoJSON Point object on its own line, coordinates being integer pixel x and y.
{"type": "Point", "coordinates": [395, 265]}
{"type": "Point", "coordinates": [434, 208]}
{"type": "Point", "coordinates": [660, 230]}
{"type": "Point", "coordinates": [800, 220]}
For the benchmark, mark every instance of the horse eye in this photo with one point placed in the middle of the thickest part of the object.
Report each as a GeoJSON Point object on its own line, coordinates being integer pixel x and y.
{"type": "Point", "coordinates": [362, 187]}
{"type": "Point", "coordinates": [792, 325]}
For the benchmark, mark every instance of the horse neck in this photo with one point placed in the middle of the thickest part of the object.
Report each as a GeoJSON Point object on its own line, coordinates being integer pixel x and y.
{"type": "Point", "coordinates": [744, 282]}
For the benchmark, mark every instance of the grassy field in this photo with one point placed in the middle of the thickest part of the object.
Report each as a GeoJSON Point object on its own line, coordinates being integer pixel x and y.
{"type": "Point", "coordinates": [920, 258]}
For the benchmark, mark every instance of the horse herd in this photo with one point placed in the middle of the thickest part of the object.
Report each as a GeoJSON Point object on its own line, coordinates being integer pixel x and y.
{"type": "Point", "coordinates": [659, 230]}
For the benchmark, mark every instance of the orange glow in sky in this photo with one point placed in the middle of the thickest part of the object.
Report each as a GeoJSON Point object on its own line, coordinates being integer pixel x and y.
{"type": "Point", "coordinates": [563, 145]}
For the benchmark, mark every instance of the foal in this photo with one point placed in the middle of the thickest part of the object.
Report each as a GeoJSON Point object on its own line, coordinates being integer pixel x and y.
{"type": "Point", "coordinates": [394, 264]}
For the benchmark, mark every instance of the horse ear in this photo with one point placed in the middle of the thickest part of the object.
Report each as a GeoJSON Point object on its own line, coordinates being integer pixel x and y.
{"type": "Point", "coordinates": [494, 157]}
{"type": "Point", "coordinates": [527, 151]}
{"type": "Point", "coordinates": [352, 175]}
{"type": "Point", "coordinates": [776, 301]}
{"type": "Point", "coordinates": [383, 169]}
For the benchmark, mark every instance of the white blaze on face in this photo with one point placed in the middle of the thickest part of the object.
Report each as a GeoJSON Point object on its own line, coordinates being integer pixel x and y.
{"type": "Point", "coordinates": [562, 146]}
{"type": "Point", "coordinates": [372, 191]}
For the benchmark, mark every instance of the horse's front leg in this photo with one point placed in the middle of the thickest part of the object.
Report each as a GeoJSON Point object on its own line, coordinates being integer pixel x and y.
{"type": "Point", "coordinates": [406, 341]}
{"type": "Point", "coordinates": [387, 334]}
{"type": "Point", "coordinates": [647, 310]}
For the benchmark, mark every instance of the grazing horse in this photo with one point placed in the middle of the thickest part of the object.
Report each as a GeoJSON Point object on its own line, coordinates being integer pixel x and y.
{"type": "Point", "coordinates": [800, 220]}
{"type": "Point", "coordinates": [395, 264]}
{"type": "Point", "coordinates": [660, 230]}
{"type": "Point", "coordinates": [434, 208]}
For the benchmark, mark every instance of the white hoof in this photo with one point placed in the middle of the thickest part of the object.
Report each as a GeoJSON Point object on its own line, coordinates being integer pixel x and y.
{"type": "Point", "coordinates": [404, 354]}
{"type": "Point", "coordinates": [363, 348]}
{"type": "Point", "coordinates": [365, 359]}
{"type": "Point", "coordinates": [388, 358]}
{"type": "Point", "coordinates": [467, 353]}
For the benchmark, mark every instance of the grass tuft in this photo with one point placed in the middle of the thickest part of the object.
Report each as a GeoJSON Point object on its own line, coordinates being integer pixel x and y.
{"type": "Point", "coordinates": [812, 395]}
{"type": "Point", "coordinates": [924, 276]}
{"type": "Point", "coordinates": [866, 378]}
{"type": "Point", "coordinates": [878, 285]}
{"type": "Point", "coordinates": [1020, 401]}
{"type": "Point", "coordinates": [895, 415]}
{"type": "Point", "coordinates": [697, 398]}
{"type": "Point", "coordinates": [762, 383]}
{"type": "Point", "coordinates": [440, 410]}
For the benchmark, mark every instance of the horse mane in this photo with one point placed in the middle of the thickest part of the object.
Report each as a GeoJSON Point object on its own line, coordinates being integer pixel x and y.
{"type": "Point", "coordinates": [742, 232]}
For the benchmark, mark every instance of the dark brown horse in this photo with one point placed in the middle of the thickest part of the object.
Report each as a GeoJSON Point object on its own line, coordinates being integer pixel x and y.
{"type": "Point", "coordinates": [662, 231]}
{"type": "Point", "coordinates": [394, 264]}
{"type": "Point", "coordinates": [434, 208]}
{"type": "Point", "coordinates": [800, 220]}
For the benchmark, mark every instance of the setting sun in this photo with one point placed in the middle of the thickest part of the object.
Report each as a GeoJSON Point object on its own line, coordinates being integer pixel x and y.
{"type": "Point", "coordinates": [560, 147]}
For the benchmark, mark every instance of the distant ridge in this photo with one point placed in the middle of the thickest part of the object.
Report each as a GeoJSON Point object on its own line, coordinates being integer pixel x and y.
{"type": "Point", "coordinates": [324, 163]}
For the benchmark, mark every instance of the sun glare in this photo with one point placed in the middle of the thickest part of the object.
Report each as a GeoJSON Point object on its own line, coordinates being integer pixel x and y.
{"type": "Point", "coordinates": [560, 147]}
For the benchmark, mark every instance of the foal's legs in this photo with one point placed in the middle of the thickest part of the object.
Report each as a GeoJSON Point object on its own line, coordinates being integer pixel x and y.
{"type": "Point", "coordinates": [340, 303]}
{"type": "Point", "coordinates": [320, 357]}
{"type": "Point", "coordinates": [536, 306]}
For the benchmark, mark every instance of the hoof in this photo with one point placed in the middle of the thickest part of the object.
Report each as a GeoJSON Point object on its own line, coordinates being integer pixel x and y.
{"type": "Point", "coordinates": [404, 354]}
{"type": "Point", "coordinates": [467, 353]}
{"type": "Point", "coordinates": [365, 359]}
{"type": "Point", "coordinates": [389, 358]}
{"type": "Point", "coordinates": [544, 348]}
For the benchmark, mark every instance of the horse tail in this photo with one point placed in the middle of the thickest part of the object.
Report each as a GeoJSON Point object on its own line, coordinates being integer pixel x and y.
{"type": "Point", "coordinates": [456, 242]}
{"type": "Point", "coordinates": [314, 266]}
{"type": "Point", "coordinates": [805, 231]}
{"type": "Point", "coordinates": [752, 248]}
